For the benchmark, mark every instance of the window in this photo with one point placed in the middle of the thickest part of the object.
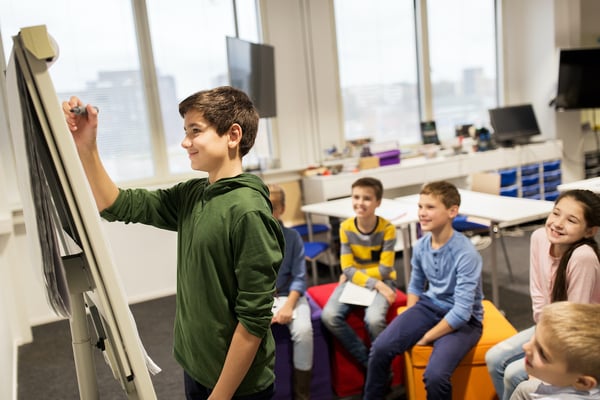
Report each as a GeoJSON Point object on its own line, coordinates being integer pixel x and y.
{"type": "Point", "coordinates": [462, 55]}
{"type": "Point", "coordinates": [378, 67]}
{"type": "Point", "coordinates": [378, 72]}
{"type": "Point", "coordinates": [102, 67]}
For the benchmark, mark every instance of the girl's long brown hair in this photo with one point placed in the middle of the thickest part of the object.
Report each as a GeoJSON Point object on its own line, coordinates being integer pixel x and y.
{"type": "Point", "coordinates": [590, 202]}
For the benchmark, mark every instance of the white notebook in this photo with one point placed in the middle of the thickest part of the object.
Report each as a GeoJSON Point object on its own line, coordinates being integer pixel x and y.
{"type": "Point", "coordinates": [357, 295]}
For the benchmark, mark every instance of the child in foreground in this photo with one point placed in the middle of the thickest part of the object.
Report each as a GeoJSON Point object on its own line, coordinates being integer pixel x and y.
{"type": "Point", "coordinates": [563, 356]}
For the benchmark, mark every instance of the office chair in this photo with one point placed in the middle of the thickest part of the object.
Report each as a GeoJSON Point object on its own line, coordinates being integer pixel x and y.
{"type": "Point", "coordinates": [314, 250]}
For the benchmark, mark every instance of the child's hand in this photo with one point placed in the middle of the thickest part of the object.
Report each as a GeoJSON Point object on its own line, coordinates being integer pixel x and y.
{"type": "Point", "coordinates": [386, 291]}
{"type": "Point", "coordinates": [284, 315]}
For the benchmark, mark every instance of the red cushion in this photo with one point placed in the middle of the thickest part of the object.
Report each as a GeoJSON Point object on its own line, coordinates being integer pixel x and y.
{"type": "Point", "coordinates": [347, 377]}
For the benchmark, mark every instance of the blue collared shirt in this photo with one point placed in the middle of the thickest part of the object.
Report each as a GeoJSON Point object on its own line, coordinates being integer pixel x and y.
{"type": "Point", "coordinates": [450, 277]}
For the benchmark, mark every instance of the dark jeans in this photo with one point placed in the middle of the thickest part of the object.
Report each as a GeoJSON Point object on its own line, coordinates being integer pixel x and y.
{"type": "Point", "coordinates": [406, 330]}
{"type": "Point", "coordinates": [195, 391]}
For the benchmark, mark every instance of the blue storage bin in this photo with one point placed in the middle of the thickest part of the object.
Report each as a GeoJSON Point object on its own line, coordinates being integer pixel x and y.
{"type": "Point", "coordinates": [551, 196]}
{"type": "Point", "coordinates": [511, 191]}
{"type": "Point", "coordinates": [530, 169]}
{"type": "Point", "coordinates": [551, 186]}
{"type": "Point", "coordinates": [531, 190]}
{"type": "Point", "coordinates": [537, 196]}
{"type": "Point", "coordinates": [551, 165]}
{"type": "Point", "coordinates": [508, 176]}
{"type": "Point", "coordinates": [527, 180]}
{"type": "Point", "coordinates": [552, 176]}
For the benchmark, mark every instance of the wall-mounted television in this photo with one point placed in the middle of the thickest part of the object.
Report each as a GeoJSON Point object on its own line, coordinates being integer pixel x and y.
{"type": "Point", "coordinates": [251, 68]}
{"type": "Point", "coordinates": [513, 124]}
{"type": "Point", "coordinates": [578, 79]}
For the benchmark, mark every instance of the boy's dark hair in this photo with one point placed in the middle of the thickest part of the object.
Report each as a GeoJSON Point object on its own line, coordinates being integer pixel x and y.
{"type": "Point", "coordinates": [590, 202]}
{"type": "Point", "coordinates": [447, 192]}
{"type": "Point", "coordinates": [373, 183]}
{"type": "Point", "coordinates": [222, 107]}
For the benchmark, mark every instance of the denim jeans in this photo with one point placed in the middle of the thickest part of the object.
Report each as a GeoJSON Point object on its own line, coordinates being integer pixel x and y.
{"type": "Point", "coordinates": [334, 318]}
{"type": "Point", "coordinates": [506, 365]}
{"type": "Point", "coordinates": [195, 391]}
{"type": "Point", "coordinates": [403, 333]}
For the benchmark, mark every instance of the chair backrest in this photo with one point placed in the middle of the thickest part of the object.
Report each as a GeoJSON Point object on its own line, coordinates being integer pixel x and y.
{"type": "Point", "coordinates": [293, 215]}
{"type": "Point", "coordinates": [486, 182]}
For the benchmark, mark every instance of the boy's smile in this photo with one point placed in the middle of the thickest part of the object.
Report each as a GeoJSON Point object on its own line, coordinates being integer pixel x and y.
{"type": "Point", "coordinates": [364, 202]}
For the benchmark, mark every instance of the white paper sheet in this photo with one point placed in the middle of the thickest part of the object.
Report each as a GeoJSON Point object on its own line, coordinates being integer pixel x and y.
{"type": "Point", "coordinates": [357, 295]}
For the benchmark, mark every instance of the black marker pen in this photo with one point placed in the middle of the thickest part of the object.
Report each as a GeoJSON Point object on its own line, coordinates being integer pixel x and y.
{"type": "Point", "coordinates": [81, 110]}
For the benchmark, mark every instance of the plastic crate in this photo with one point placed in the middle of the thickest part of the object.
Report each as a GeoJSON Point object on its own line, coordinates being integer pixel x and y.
{"type": "Point", "coordinates": [508, 176]}
{"type": "Point", "coordinates": [551, 196]}
{"type": "Point", "coordinates": [529, 191]}
{"type": "Point", "coordinates": [552, 176]}
{"type": "Point", "coordinates": [530, 169]}
{"type": "Point", "coordinates": [551, 165]}
{"type": "Point", "coordinates": [510, 191]}
{"type": "Point", "coordinates": [537, 196]}
{"type": "Point", "coordinates": [551, 186]}
{"type": "Point", "coordinates": [527, 180]}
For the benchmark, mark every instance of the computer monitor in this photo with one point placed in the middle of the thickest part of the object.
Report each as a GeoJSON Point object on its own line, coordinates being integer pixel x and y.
{"type": "Point", "coordinates": [513, 124]}
{"type": "Point", "coordinates": [578, 83]}
{"type": "Point", "coordinates": [429, 133]}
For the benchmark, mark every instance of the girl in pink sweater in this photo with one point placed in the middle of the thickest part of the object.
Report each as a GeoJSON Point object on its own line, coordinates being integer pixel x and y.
{"type": "Point", "coordinates": [564, 265]}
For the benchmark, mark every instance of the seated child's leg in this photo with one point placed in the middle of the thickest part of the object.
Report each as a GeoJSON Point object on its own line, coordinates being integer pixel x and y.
{"type": "Point", "coordinates": [447, 353]}
{"type": "Point", "coordinates": [334, 318]}
{"type": "Point", "coordinates": [513, 375]}
{"type": "Point", "coordinates": [504, 353]}
{"type": "Point", "coordinates": [400, 335]}
{"type": "Point", "coordinates": [302, 336]}
{"type": "Point", "coordinates": [375, 316]}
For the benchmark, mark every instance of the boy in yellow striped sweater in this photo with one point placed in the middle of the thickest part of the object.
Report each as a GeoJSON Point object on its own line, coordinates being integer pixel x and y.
{"type": "Point", "coordinates": [367, 259]}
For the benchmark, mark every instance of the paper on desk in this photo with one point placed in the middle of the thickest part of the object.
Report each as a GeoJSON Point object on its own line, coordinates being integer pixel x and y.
{"type": "Point", "coordinates": [357, 295]}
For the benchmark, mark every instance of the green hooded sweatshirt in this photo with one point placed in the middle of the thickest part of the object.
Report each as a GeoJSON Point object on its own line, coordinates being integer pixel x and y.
{"type": "Point", "coordinates": [229, 249]}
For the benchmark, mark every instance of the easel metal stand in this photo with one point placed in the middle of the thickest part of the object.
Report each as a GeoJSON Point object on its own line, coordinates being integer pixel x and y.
{"type": "Point", "coordinates": [78, 283]}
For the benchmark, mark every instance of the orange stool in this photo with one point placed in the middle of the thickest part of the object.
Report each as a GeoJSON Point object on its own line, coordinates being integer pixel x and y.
{"type": "Point", "coordinates": [471, 380]}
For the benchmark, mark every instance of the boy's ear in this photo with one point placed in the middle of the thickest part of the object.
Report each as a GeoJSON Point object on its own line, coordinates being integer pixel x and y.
{"type": "Point", "coordinates": [585, 382]}
{"type": "Point", "coordinates": [453, 210]}
{"type": "Point", "coordinates": [235, 135]}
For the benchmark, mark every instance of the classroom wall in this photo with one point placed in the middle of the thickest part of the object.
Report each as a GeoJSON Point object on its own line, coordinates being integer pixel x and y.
{"type": "Point", "coordinates": [309, 120]}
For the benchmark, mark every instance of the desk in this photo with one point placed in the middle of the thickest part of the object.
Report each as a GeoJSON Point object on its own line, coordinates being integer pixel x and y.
{"type": "Point", "coordinates": [399, 214]}
{"type": "Point", "coordinates": [592, 184]}
{"type": "Point", "coordinates": [501, 211]}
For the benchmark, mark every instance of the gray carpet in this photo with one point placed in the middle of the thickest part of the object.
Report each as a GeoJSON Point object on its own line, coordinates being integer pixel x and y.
{"type": "Point", "coordinates": [47, 370]}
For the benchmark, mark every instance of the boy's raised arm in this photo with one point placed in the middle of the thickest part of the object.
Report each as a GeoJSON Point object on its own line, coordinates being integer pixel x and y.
{"type": "Point", "coordinates": [84, 128]}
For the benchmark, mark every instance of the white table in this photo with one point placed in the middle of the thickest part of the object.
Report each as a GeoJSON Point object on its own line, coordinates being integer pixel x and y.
{"type": "Point", "coordinates": [592, 184]}
{"type": "Point", "coordinates": [500, 211]}
{"type": "Point", "coordinates": [399, 214]}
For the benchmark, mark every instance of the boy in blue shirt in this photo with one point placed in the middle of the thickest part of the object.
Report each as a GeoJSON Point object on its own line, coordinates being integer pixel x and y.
{"type": "Point", "coordinates": [444, 297]}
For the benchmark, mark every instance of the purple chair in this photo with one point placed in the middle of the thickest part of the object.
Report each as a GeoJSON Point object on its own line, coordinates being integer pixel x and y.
{"type": "Point", "coordinates": [320, 387]}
